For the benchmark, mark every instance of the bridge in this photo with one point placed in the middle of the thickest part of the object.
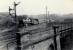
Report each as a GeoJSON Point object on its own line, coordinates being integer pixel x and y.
{"type": "Point", "coordinates": [37, 37]}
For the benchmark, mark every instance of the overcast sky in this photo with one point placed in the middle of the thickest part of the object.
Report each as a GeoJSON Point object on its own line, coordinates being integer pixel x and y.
{"type": "Point", "coordinates": [34, 7]}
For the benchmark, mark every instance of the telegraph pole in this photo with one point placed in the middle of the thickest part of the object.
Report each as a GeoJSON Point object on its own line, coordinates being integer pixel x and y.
{"type": "Point", "coordinates": [49, 17]}
{"type": "Point", "coordinates": [9, 10]}
{"type": "Point", "coordinates": [46, 15]}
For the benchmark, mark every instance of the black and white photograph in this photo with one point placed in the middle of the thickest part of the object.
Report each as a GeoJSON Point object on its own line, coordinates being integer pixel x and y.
{"type": "Point", "coordinates": [36, 24]}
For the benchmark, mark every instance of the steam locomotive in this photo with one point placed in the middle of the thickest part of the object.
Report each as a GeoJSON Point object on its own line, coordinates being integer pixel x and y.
{"type": "Point", "coordinates": [28, 21]}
